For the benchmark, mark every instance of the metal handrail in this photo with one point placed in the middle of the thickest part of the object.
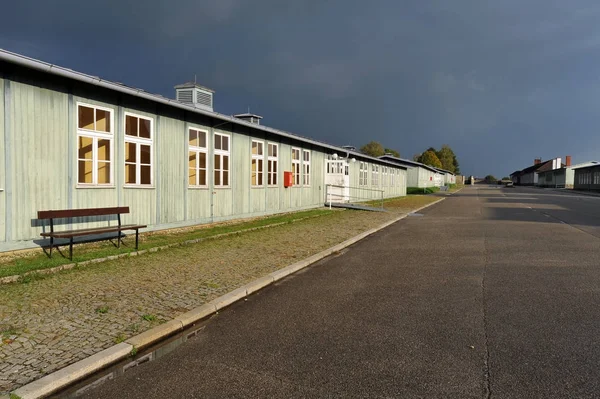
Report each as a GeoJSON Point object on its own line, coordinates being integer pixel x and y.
{"type": "Point", "coordinates": [329, 194]}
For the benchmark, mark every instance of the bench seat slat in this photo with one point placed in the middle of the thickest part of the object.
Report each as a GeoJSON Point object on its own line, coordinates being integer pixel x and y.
{"type": "Point", "coordinates": [91, 231]}
{"type": "Point", "coordinates": [71, 213]}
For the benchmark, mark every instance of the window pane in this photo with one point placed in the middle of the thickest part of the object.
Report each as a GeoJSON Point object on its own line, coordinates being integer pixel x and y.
{"type": "Point", "coordinates": [225, 162]}
{"type": "Point", "coordinates": [145, 154]}
{"type": "Point", "coordinates": [130, 155]}
{"type": "Point", "coordinates": [145, 128]}
{"type": "Point", "coordinates": [225, 178]}
{"type": "Point", "coordinates": [274, 150]}
{"type": "Point", "coordinates": [254, 148]}
{"type": "Point", "coordinates": [193, 138]}
{"type": "Point", "coordinates": [274, 172]}
{"type": "Point", "coordinates": [103, 150]}
{"type": "Point", "coordinates": [130, 174]}
{"type": "Point", "coordinates": [85, 172]}
{"type": "Point", "coordinates": [202, 139]}
{"type": "Point", "coordinates": [260, 148]}
{"type": "Point", "coordinates": [192, 177]}
{"type": "Point", "coordinates": [269, 166]}
{"type": "Point", "coordinates": [202, 174]}
{"type": "Point", "coordinates": [217, 142]}
{"type": "Point", "coordinates": [192, 160]}
{"type": "Point", "coordinates": [225, 143]}
{"type": "Point", "coordinates": [131, 125]}
{"type": "Point", "coordinates": [217, 178]}
{"type": "Point", "coordinates": [270, 150]}
{"type": "Point", "coordinates": [85, 147]}
{"type": "Point", "coordinates": [202, 160]}
{"type": "Point", "coordinates": [102, 120]}
{"type": "Point", "coordinates": [217, 162]}
{"type": "Point", "coordinates": [260, 165]}
{"type": "Point", "coordinates": [86, 117]}
{"type": "Point", "coordinates": [145, 171]}
{"type": "Point", "coordinates": [103, 172]}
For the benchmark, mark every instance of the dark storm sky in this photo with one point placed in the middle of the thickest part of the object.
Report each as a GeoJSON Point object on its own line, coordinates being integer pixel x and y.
{"type": "Point", "coordinates": [501, 82]}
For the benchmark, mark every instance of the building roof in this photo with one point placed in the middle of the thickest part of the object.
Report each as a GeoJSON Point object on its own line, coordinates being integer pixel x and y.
{"type": "Point", "coordinates": [247, 115]}
{"type": "Point", "coordinates": [188, 85]}
{"type": "Point", "coordinates": [445, 171]}
{"type": "Point", "coordinates": [532, 168]}
{"type": "Point", "coordinates": [31, 63]}
{"type": "Point", "coordinates": [589, 164]}
{"type": "Point", "coordinates": [412, 164]}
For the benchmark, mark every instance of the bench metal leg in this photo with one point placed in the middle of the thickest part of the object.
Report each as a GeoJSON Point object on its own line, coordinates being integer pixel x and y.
{"type": "Point", "coordinates": [71, 248]}
{"type": "Point", "coordinates": [51, 245]}
{"type": "Point", "coordinates": [137, 232]}
{"type": "Point", "coordinates": [119, 239]}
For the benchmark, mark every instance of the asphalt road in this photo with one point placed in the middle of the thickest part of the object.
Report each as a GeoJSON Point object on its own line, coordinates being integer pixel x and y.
{"type": "Point", "coordinates": [493, 293]}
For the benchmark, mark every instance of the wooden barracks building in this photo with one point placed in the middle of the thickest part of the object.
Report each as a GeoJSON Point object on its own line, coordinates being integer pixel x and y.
{"type": "Point", "coordinates": [69, 140]}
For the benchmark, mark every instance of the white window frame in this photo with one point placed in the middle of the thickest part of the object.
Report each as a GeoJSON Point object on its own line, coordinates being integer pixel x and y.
{"type": "Point", "coordinates": [296, 172]}
{"type": "Point", "coordinates": [138, 141]}
{"type": "Point", "coordinates": [221, 154]}
{"type": "Point", "coordinates": [363, 173]}
{"type": "Point", "coordinates": [274, 161]}
{"type": "Point", "coordinates": [306, 169]}
{"type": "Point", "coordinates": [256, 158]}
{"type": "Point", "coordinates": [95, 135]}
{"type": "Point", "coordinates": [374, 175]}
{"type": "Point", "coordinates": [199, 150]}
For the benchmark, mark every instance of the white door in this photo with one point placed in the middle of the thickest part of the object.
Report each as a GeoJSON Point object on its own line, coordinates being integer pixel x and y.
{"type": "Point", "coordinates": [337, 180]}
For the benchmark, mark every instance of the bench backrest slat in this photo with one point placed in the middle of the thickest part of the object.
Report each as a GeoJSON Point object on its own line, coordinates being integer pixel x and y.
{"type": "Point", "coordinates": [71, 213]}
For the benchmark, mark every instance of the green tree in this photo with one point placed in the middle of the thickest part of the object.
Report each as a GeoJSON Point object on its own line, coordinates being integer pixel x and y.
{"type": "Point", "coordinates": [490, 179]}
{"type": "Point", "coordinates": [456, 166]}
{"type": "Point", "coordinates": [430, 158]}
{"type": "Point", "coordinates": [373, 149]}
{"type": "Point", "coordinates": [393, 152]}
{"type": "Point", "coordinates": [447, 157]}
{"type": "Point", "coordinates": [506, 178]}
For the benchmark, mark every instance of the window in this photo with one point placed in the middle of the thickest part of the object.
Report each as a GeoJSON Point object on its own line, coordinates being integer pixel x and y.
{"type": "Point", "coordinates": [296, 165]}
{"type": "Point", "coordinates": [272, 164]}
{"type": "Point", "coordinates": [306, 167]}
{"type": "Point", "coordinates": [138, 150]}
{"type": "Point", "coordinates": [393, 177]}
{"type": "Point", "coordinates": [257, 165]}
{"type": "Point", "coordinates": [375, 175]}
{"type": "Point", "coordinates": [222, 154]}
{"type": "Point", "coordinates": [362, 175]}
{"type": "Point", "coordinates": [197, 158]}
{"type": "Point", "coordinates": [94, 145]}
{"type": "Point", "coordinates": [596, 177]}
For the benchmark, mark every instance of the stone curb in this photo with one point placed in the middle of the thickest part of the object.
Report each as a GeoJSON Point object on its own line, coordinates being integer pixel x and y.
{"type": "Point", "coordinates": [66, 376]}
{"type": "Point", "coordinates": [74, 372]}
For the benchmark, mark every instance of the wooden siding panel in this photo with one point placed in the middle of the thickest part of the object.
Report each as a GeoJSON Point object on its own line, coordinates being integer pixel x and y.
{"type": "Point", "coordinates": [172, 168]}
{"type": "Point", "coordinates": [39, 166]}
{"type": "Point", "coordinates": [142, 204]}
{"type": "Point", "coordinates": [240, 171]}
{"type": "Point", "coordinates": [198, 203]}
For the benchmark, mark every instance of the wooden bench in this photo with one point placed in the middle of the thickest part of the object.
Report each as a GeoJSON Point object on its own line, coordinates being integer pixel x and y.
{"type": "Point", "coordinates": [74, 213]}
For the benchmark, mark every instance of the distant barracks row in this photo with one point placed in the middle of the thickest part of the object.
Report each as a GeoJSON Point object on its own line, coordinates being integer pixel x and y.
{"type": "Point", "coordinates": [70, 140]}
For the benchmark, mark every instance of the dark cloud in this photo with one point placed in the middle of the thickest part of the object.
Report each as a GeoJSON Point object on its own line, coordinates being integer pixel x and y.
{"type": "Point", "coordinates": [501, 82]}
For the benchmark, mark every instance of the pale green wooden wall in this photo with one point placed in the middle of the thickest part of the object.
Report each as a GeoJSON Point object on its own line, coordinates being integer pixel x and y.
{"type": "Point", "coordinates": [42, 163]}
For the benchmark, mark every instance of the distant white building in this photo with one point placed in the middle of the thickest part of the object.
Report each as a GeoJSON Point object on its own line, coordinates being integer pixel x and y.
{"type": "Point", "coordinates": [419, 174]}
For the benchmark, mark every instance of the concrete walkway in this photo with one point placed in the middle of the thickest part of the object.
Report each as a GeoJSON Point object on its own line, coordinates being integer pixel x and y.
{"type": "Point", "coordinates": [489, 294]}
